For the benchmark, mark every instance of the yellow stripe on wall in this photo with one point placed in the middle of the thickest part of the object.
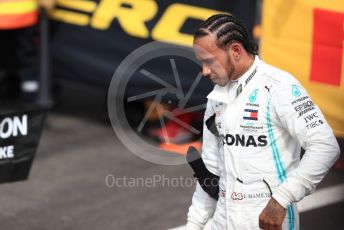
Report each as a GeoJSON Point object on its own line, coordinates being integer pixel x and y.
{"type": "Point", "coordinates": [18, 7]}
{"type": "Point", "coordinates": [86, 6]}
{"type": "Point", "coordinates": [70, 17]}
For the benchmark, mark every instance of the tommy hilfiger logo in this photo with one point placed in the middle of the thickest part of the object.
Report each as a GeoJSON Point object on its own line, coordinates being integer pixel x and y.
{"type": "Point", "coordinates": [250, 114]}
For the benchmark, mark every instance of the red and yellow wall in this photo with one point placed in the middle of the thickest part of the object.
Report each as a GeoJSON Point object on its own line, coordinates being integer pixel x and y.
{"type": "Point", "coordinates": [306, 38]}
{"type": "Point", "coordinates": [16, 14]}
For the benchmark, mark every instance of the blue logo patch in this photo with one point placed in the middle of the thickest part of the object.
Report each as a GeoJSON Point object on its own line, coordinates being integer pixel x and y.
{"type": "Point", "coordinates": [296, 91]}
{"type": "Point", "coordinates": [253, 96]}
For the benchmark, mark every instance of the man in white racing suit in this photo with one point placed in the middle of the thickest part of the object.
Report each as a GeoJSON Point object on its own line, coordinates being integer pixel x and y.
{"type": "Point", "coordinates": [263, 116]}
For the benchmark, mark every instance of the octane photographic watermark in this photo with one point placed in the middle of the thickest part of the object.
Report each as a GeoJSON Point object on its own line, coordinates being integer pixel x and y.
{"type": "Point", "coordinates": [154, 181]}
{"type": "Point", "coordinates": [134, 64]}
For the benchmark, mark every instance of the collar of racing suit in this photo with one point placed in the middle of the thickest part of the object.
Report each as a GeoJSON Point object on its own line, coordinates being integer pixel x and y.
{"type": "Point", "coordinates": [220, 93]}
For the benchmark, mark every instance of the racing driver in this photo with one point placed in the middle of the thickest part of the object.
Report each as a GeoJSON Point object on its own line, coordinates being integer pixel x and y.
{"type": "Point", "coordinates": [263, 116]}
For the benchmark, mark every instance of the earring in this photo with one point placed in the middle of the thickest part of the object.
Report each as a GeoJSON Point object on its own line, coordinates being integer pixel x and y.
{"type": "Point", "coordinates": [237, 58]}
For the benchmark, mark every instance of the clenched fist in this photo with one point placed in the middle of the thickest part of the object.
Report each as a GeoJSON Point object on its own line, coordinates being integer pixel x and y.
{"type": "Point", "coordinates": [272, 216]}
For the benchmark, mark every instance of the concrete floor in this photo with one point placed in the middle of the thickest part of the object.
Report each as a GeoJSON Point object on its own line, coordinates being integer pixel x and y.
{"type": "Point", "coordinates": [68, 189]}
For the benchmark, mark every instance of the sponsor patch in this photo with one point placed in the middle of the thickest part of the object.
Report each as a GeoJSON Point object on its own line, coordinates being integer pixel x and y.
{"type": "Point", "coordinates": [303, 112]}
{"type": "Point", "coordinates": [250, 114]}
{"type": "Point", "coordinates": [310, 117]}
{"type": "Point", "coordinates": [244, 196]}
{"type": "Point", "coordinates": [252, 104]}
{"type": "Point", "coordinates": [314, 124]}
{"type": "Point", "coordinates": [251, 76]}
{"type": "Point", "coordinates": [268, 88]}
{"type": "Point", "coordinates": [304, 105]}
{"type": "Point", "coordinates": [244, 140]}
{"type": "Point", "coordinates": [251, 128]}
{"type": "Point", "coordinates": [299, 100]}
{"type": "Point", "coordinates": [253, 96]}
{"type": "Point", "coordinates": [295, 91]}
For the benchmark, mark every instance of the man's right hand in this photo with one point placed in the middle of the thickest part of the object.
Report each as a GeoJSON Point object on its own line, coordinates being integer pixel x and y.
{"type": "Point", "coordinates": [272, 216]}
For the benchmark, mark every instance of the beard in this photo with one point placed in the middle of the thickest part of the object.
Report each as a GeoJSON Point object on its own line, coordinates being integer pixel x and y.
{"type": "Point", "coordinates": [231, 68]}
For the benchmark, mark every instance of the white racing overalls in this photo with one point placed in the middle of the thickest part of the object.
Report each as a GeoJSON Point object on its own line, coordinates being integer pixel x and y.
{"type": "Point", "coordinates": [257, 152]}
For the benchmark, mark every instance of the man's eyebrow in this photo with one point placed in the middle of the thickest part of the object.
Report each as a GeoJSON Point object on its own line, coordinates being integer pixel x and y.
{"type": "Point", "coordinates": [208, 59]}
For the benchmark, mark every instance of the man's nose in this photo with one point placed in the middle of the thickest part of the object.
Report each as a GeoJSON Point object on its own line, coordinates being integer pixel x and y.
{"type": "Point", "coordinates": [205, 71]}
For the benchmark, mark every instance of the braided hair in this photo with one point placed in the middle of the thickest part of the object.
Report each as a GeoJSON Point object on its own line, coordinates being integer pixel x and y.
{"type": "Point", "coordinates": [227, 29]}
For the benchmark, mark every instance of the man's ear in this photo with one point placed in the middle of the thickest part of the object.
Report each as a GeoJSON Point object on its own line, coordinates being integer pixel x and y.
{"type": "Point", "coordinates": [235, 50]}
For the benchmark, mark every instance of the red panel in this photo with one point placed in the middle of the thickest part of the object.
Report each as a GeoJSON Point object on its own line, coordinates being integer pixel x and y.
{"type": "Point", "coordinates": [327, 52]}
